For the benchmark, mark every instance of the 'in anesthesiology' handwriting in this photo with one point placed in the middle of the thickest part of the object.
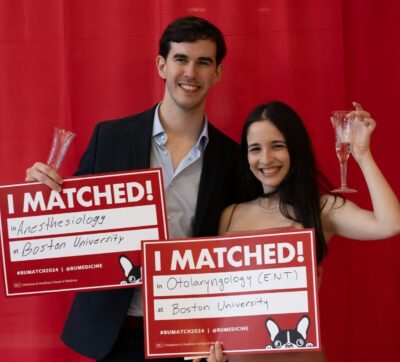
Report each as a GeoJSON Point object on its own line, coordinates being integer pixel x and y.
{"type": "Point", "coordinates": [52, 223]}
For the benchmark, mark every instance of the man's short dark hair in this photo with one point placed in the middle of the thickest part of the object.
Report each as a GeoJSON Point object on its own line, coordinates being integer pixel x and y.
{"type": "Point", "coordinates": [190, 29]}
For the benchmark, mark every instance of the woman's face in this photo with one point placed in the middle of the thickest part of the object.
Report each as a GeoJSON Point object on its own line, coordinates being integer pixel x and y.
{"type": "Point", "coordinates": [267, 154]}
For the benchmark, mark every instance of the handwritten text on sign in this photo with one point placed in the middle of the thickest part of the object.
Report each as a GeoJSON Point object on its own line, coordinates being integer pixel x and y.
{"type": "Point", "coordinates": [227, 287]}
{"type": "Point", "coordinates": [93, 219]}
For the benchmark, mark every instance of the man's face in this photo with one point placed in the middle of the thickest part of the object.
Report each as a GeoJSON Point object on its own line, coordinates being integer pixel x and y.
{"type": "Point", "coordinates": [190, 71]}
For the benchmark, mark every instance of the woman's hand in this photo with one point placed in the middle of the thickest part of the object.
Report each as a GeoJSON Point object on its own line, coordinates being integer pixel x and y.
{"type": "Point", "coordinates": [351, 221]}
{"type": "Point", "coordinates": [216, 354]}
{"type": "Point", "coordinates": [361, 129]}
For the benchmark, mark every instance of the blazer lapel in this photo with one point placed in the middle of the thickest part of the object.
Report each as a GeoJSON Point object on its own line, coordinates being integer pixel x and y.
{"type": "Point", "coordinates": [141, 130]}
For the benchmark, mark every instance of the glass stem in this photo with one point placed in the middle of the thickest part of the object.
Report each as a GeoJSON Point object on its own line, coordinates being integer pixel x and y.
{"type": "Point", "coordinates": [343, 174]}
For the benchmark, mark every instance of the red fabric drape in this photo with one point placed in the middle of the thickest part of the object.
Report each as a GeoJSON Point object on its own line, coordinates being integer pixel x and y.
{"type": "Point", "coordinates": [70, 63]}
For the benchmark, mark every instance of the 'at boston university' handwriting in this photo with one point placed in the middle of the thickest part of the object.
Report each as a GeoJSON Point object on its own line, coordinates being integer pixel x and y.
{"type": "Point", "coordinates": [79, 242]}
{"type": "Point", "coordinates": [221, 305]}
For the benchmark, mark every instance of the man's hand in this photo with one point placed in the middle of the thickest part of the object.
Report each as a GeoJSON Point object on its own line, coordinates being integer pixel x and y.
{"type": "Point", "coordinates": [44, 174]}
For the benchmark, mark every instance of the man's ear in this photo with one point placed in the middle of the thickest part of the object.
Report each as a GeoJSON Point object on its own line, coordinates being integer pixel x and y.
{"type": "Point", "coordinates": [219, 70]}
{"type": "Point", "coordinates": [161, 62]}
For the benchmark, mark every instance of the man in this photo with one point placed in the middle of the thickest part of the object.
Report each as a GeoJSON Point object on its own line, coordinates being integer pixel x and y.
{"type": "Point", "coordinates": [198, 165]}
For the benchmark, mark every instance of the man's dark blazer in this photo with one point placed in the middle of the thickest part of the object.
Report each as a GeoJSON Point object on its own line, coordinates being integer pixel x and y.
{"type": "Point", "coordinates": [96, 318]}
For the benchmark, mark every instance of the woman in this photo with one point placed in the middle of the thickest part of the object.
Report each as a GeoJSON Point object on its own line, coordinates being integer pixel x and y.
{"type": "Point", "coordinates": [284, 192]}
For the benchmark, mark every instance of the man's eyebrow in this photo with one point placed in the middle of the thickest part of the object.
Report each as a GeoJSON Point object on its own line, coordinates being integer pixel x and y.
{"type": "Point", "coordinates": [201, 59]}
{"type": "Point", "coordinates": [178, 55]}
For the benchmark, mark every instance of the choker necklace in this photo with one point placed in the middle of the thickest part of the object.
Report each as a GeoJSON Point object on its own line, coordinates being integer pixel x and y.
{"type": "Point", "coordinates": [268, 210]}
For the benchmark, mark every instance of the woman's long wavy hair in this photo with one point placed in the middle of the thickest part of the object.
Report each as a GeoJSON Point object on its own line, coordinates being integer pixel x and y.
{"type": "Point", "coordinates": [300, 188]}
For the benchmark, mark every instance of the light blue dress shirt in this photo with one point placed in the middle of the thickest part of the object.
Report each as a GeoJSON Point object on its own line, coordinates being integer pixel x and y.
{"type": "Point", "coordinates": [180, 185]}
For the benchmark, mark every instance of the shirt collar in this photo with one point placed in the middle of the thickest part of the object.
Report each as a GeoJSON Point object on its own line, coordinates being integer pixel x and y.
{"type": "Point", "coordinates": [161, 137]}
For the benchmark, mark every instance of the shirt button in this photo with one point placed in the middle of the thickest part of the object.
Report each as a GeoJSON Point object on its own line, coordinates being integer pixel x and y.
{"type": "Point", "coordinates": [166, 152]}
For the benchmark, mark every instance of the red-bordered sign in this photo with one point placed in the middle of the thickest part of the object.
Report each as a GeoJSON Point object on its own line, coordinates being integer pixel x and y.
{"type": "Point", "coordinates": [254, 293]}
{"type": "Point", "coordinates": [88, 236]}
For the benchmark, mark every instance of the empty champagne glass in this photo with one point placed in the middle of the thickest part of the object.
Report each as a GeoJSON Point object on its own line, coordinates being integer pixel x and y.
{"type": "Point", "coordinates": [59, 146]}
{"type": "Point", "coordinates": [341, 121]}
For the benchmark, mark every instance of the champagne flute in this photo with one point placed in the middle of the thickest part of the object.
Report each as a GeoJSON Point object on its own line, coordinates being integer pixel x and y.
{"type": "Point", "coordinates": [341, 121]}
{"type": "Point", "coordinates": [61, 141]}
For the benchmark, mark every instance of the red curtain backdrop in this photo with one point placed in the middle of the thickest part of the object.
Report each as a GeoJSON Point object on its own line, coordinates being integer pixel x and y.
{"type": "Point", "coordinates": [71, 63]}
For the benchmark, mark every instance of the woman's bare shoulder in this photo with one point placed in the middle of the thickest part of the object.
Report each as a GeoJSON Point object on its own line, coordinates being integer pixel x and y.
{"type": "Point", "coordinates": [231, 212]}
